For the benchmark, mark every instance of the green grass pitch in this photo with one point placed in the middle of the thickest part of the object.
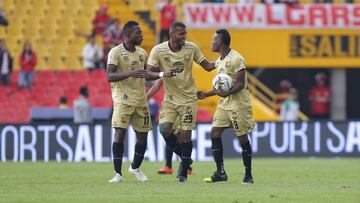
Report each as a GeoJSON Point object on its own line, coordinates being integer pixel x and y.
{"type": "Point", "coordinates": [276, 180]}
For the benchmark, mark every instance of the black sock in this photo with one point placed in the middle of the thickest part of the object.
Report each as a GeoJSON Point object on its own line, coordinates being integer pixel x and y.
{"type": "Point", "coordinates": [247, 156]}
{"type": "Point", "coordinates": [217, 152]}
{"type": "Point", "coordinates": [139, 155]}
{"type": "Point", "coordinates": [168, 155]}
{"type": "Point", "coordinates": [173, 144]}
{"type": "Point", "coordinates": [118, 150]}
{"type": "Point", "coordinates": [186, 149]}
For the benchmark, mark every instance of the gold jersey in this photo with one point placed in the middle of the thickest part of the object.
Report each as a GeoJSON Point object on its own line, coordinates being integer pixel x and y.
{"type": "Point", "coordinates": [130, 91]}
{"type": "Point", "coordinates": [230, 65]}
{"type": "Point", "coordinates": [181, 89]}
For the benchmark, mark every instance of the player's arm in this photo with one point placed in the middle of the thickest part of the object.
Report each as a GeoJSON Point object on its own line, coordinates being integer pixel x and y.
{"type": "Point", "coordinates": [203, 95]}
{"type": "Point", "coordinates": [239, 85]}
{"type": "Point", "coordinates": [114, 76]}
{"type": "Point", "coordinates": [208, 66]}
{"type": "Point", "coordinates": [154, 73]}
{"type": "Point", "coordinates": [155, 88]}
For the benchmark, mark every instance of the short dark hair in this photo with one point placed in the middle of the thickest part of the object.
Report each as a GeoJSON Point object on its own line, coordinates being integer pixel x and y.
{"type": "Point", "coordinates": [63, 100]}
{"type": "Point", "coordinates": [225, 36]}
{"type": "Point", "coordinates": [129, 25]}
{"type": "Point", "coordinates": [84, 91]}
{"type": "Point", "coordinates": [177, 24]}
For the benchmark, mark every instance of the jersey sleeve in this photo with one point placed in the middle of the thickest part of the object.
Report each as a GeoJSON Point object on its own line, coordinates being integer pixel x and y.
{"type": "Point", "coordinates": [113, 57]}
{"type": "Point", "coordinates": [239, 64]}
{"type": "Point", "coordinates": [198, 55]}
{"type": "Point", "coordinates": [153, 59]}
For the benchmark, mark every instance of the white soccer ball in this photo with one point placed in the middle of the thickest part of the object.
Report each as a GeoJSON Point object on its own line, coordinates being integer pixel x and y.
{"type": "Point", "coordinates": [222, 82]}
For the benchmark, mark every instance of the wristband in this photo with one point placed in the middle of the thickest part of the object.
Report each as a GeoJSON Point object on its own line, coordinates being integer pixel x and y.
{"type": "Point", "coordinates": [161, 74]}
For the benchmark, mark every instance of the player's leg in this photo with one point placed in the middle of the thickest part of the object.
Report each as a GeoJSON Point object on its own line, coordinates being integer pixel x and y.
{"type": "Point", "coordinates": [220, 122]}
{"type": "Point", "coordinates": [141, 122]}
{"type": "Point", "coordinates": [117, 152]}
{"type": "Point", "coordinates": [140, 148]}
{"type": "Point", "coordinates": [186, 146]}
{"type": "Point", "coordinates": [247, 157]}
{"type": "Point", "coordinates": [167, 168]}
{"type": "Point", "coordinates": [243, 124]}
{"type": "Point", "coordinates": [187, 124]}
{"type": "Point", "coordinates": [120, 121]}
{"type": "Point", "coordinates": [217, 152]}
{"type": "Point", "coordinates": [168, 116]}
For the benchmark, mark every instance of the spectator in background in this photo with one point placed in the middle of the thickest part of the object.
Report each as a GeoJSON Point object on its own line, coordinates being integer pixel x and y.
{"type": "Point", "coordinates": [290, 107]}
{"type": "Point", "coordinates": [101, 20]}
{"type": "Point", "coordinates": [92, 55]}
{"type": "Point", "coordinates": [167, 17]}
{"type": "Point", "coordinates": [63, 103]}
{"type": "Point", "coordinates": [28, 61]}
{"type": "Point", "coordinates": [5, 63]}
{"type": "Point", "coordinates": [284, 88]}
{"type": "Point", "coordinates": [82, 107]}
{"type": "Point", "coordinates": [3, 20]}
{"type": "Point", "coordinates": [320, 98]}
{"type": "Point", "coordinates": [113, 34]}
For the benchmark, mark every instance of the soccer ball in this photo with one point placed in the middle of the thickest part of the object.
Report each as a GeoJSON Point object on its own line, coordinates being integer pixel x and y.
{"type": "Point", "coordinates": [222, 82]}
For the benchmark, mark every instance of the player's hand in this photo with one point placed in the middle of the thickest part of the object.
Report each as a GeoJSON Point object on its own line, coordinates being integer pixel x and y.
{"type": "Point", "coordinates": [221, 93]}
{"type": "Point", "coordinates": [170, 73]}
{"type": "Point", "coordinates": [138, 73]}
{"type": "Point", "coordinates": [201, 95]}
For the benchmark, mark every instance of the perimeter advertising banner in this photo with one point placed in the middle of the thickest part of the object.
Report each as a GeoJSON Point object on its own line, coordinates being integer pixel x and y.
{"type": "Point", "coordinates": [277, 35]}
{"type": "Point", "coordinates": [92, 143]}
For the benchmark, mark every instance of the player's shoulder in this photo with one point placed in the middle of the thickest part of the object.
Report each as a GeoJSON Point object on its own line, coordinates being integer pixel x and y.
{"type": "Point", "coordinates": [118, 49]}
{"type": "Point", "coordinates": [140, 50]}
{"type": "Point", "coordinates": [235, 55]}
{"type": "Point", "coordinates": [190, 45]}
{"type": "Point", "coordinates": [161, 47]}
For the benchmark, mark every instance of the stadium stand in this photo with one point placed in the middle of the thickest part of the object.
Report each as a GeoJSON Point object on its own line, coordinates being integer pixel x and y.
{"type": "Point", "coordinates": [50, 26]}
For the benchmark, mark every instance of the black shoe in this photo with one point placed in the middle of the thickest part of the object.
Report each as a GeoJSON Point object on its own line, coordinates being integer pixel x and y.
{"type": "Point", "coordinates": [178, 173]}
{"type": "Point", "coordinates": [248, 179]}
{"type": "Point", "coordinates": [217, 177]}
{"type": "Point", "coordinates": [182, 179]}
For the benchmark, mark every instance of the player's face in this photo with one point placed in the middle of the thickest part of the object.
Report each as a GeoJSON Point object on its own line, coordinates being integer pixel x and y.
{"type": "Point", "coordinates": [215, 43]}
{"type": "Point", "coordinates": [136, 36]}
{"type": "Point", "coordinates": [179, 35]}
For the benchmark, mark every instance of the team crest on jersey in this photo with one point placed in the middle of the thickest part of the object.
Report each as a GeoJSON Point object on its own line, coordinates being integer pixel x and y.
{"type": "Point", "coordinates": [228, 64]}
{"type": "Point", "coordinates": [187, 57]}
{"type": "Point", "coordinates": [179, 66]}
{"type": "Point", "coordinates": [141, 58]}
{"type": "Point", "coordinates": [134, 65]}
{"type": "Point", "coordinates": [126, 58]}
{"type": "Point", "coordinates": [234, 115]}
{"type": "Point", "coordinates": [167, 58]}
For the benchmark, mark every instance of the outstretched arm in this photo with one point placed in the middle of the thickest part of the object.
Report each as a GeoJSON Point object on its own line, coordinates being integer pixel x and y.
{"type": "Point", "coordinates": [114, 76]}
{"type": "Point", "coordinates": [208, 66]}
{"type": "Point", "coordinates": [203, 95]}
{"type": "Point", "coordinates": [155, 88]}
{"type": "Point", "coordinates": [153, 73]}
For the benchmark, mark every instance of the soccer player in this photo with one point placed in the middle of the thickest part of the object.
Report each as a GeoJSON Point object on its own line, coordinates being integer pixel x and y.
{"type": "Point", "coordinates": [180, 92]}
{"type": "Point", "coordinates": [125, 71]}
{"type": "Point", "coordinates": [234, 109]}
{"type": "Point", "coordinates": [167, 168]}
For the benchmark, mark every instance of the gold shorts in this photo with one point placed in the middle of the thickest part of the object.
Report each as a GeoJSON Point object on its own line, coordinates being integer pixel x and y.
{"type": "Point", "coordinates": [185, 114]}
{"type": "Point", "coordinates": [240, 119]}
{"type": "Point", "coordinates": [138, 117]}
